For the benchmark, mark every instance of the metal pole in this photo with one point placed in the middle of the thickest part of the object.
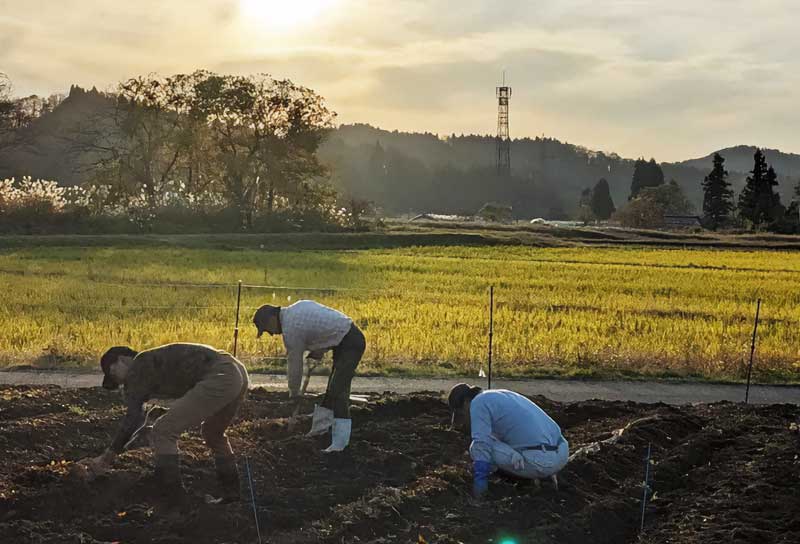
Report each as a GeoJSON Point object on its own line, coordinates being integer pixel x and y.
{"type": "Point", "coordinates": [236, 327]}
{"type": "Point", "coordinates": [253, 498]}
{"type": "Point", "coordinates": [752, 351]}
{"type": "Point", "coordinates": [645, 486]}
{"type": "Point", "coordinates": [491, 332]}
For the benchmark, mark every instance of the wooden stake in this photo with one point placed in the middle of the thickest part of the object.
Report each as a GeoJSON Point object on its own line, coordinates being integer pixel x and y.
{"type": "Point", "coordinates": [752, 352]}
{"type": "Point", "coordinates": [645, 486]}
{"type": "Point", "coordinates": [236, 326]}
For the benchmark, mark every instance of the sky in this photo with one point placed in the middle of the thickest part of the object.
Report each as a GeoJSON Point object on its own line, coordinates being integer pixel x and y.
{"type": "Point", "coordinates": [666, 79]}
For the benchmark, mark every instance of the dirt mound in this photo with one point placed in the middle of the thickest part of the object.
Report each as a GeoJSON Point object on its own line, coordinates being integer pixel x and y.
{"type": "Point", "coordinates": [720, 472]}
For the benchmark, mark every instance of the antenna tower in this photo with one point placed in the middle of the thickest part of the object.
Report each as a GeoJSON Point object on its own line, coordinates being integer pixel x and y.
{"type": "Point", "coordinates": [503, 140]}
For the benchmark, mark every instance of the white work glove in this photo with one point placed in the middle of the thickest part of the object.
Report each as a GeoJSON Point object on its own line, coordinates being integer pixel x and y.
{"type": "Point", "coordinates": [518, 461]}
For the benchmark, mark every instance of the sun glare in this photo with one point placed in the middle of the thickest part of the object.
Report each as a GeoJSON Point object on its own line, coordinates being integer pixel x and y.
{"type": "Point", "coordinates": [282, 14]}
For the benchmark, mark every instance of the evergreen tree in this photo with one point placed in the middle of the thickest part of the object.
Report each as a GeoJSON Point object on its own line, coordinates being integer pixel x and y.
{"type": "Point", "coordinates": [749, 197]}
{"type": "Point", "coordinates": [645, 174]}
{"type": "Point", "coordinates": [717, 195]}
{"type": "Point", "coordinates": [655, 173]}
{"type": "Point", "coordinates": [601, 202]}
{"type": "Point", "coordinates": [639, 178]}
{"type": "Point", "coordinates": [758, 202]}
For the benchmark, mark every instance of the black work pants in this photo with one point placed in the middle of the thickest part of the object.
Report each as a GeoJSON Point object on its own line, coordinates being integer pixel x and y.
{"type": "Point", "coordinates": [346, 357]}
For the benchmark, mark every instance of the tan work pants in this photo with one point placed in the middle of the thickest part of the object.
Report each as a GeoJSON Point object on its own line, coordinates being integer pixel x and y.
{"type": "Point", "coordinates": [212, 402]}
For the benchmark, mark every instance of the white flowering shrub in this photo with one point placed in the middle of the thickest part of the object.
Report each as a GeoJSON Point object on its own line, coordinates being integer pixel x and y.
{"type": "Point", "coordinates": [34, 197]}
{"type": "Point", "coordinates": [174, 194]}
{"type": "Point", "coordinates": [177, 195]}
{"type": "Point", "coordinates": [7, 194]}
{"type": "Point", "coordinates": [29, 205]}
{"type": "Point", "coordinates": [92, 200]}
{"type": "Point", "coordinates": [40, 206]}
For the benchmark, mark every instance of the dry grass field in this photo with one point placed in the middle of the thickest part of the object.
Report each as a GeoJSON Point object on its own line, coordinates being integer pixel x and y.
{"type": "Point", "coordinates": [559, 311]}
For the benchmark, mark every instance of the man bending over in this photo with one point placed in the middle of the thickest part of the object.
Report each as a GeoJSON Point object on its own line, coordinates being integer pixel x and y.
{"type": "Point", "coordinates": [309, 326]}
{"type": "Point", "coordinates": [209, 386]}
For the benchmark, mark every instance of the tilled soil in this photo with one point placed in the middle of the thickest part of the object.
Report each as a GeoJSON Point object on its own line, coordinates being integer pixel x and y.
{"type": "Point", "coordinates": [720, 473]}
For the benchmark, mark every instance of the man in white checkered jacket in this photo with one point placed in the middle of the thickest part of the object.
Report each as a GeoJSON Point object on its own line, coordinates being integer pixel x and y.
{"type": "Point", "coordinates": [309, 326]}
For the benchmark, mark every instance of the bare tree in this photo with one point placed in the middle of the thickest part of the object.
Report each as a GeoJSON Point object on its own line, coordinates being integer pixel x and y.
{"type": "Point", "coordinates": [151, 116]}
{"type": "Point", "coordinates": [6, 104]}
{"type": "Point", "coordinates": [264, 135]}
{"type": "Point", "coordinates": [142, 138]}
{"type": "Point", "coordinates": [24, 111]}
{"type": "Point", "coordinates": [251, 140]}
{"type": "Point", "coordinates": [17, 113]}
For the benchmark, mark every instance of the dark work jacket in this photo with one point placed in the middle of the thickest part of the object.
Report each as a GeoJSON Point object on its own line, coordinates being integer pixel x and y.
{"type": "Point", "coordinates": [165, 372]}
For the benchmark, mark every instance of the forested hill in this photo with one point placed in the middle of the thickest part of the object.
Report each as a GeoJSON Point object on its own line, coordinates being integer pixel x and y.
{"type": "Point", "coordinates": [422, 171]}
{"type": "Point", "coordinates": [405, 171]}
{"type": "Point", "coordinates": [412, 172]}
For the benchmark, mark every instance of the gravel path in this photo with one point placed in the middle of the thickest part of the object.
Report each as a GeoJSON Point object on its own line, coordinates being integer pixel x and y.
{"type": "Point", "coordinates": [560, 390]}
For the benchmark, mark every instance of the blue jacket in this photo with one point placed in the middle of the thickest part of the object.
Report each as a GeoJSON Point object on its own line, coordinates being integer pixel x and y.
{"type": "Point", "coordinates": [511, 418]}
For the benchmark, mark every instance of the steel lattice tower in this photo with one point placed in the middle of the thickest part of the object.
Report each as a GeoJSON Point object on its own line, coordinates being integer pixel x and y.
{"type": "Point", "coordinates": [503, 140]}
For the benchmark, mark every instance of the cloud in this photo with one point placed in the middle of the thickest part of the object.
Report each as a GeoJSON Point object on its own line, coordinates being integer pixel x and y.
{"type": "Point", "coordinates": [436, 84]}
{"type": "Point", "coordinates": [640, 77]}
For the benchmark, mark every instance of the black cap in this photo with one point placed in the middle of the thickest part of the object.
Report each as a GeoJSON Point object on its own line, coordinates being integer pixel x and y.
{"type": "Point", "coordinates": [262, 315]}
{"type": "Point", "coordinates": [109, 358]}
{"type": "Point", "coordinates": [458, 395]}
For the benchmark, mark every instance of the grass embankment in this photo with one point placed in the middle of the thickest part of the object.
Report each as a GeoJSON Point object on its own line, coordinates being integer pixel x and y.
{"type": "Point", "coordinates": [602, 312]}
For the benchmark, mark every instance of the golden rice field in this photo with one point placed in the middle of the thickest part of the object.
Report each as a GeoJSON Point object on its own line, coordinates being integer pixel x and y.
{"type": "Point", "coordinates": [562, 311]}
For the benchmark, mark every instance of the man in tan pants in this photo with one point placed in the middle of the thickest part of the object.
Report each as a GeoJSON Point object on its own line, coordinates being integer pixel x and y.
{"type": "Point", "coordinates": [209, 386]}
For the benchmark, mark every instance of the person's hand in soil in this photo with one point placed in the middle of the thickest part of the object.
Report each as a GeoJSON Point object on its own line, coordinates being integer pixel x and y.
{"type": "Point", "coordinates": [97, 466]}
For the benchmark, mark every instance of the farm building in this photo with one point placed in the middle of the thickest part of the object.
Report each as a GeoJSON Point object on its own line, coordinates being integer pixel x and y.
{"type": "Point", "coordinates": [682, 222]}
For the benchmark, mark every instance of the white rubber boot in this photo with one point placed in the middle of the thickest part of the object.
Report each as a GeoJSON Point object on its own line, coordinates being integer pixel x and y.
{"type": "Point", "coordinates": [341, 435]}
{"type": "Point", "coordinates": [321, 422]}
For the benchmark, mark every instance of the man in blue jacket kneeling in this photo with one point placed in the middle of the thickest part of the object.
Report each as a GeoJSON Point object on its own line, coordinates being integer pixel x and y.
{"type": "Point", "coordinates": [509, 433]}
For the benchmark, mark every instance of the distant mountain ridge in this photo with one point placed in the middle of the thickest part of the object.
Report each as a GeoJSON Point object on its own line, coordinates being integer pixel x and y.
{"type": "Point", "coordinates": [740, 159]}
{"type": "Point", "coordinates": [419, 172]}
